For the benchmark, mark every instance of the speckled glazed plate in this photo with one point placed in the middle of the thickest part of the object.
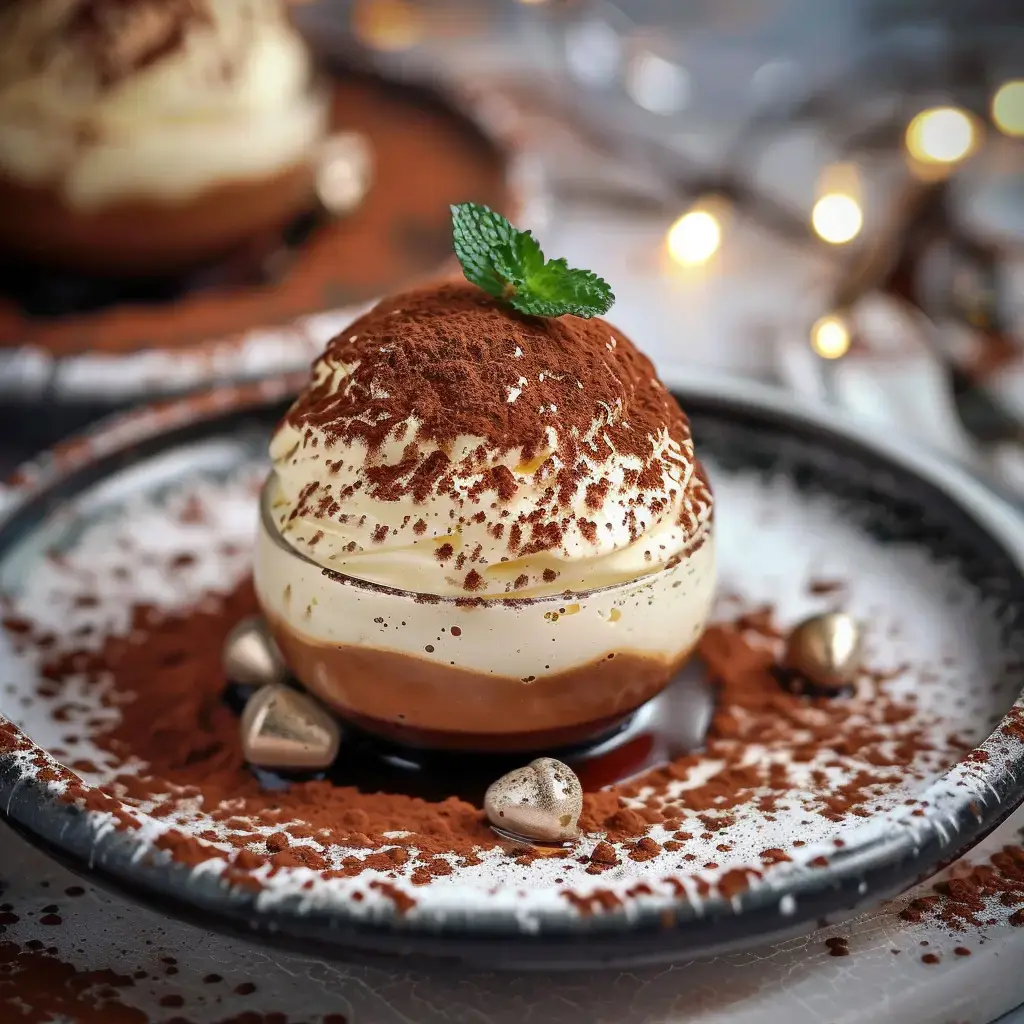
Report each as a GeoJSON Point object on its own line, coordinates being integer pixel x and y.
{"type": "Point", "coordinates": [158, 509]}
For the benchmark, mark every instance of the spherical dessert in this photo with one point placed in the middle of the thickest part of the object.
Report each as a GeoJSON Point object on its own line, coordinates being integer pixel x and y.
{"type": "Point", "coordinates": [144, 136]}
{"type": "Point", "coordinates": [483, 529]}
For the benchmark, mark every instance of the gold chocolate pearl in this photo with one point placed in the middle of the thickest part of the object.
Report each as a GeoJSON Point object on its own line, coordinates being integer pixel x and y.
{"type": "Point", "coordinates": [542, 801]}
{"type": "Point", "coordinates": [251, 655]}
{"type": "Point", "coordinates": [825, 650]}
{"type": "Point", "coordinates": [284, 728]}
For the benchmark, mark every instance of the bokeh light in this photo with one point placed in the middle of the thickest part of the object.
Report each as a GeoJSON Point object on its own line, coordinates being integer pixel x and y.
{"type": "Point", "coordinates": [694, 238]}
{"type": "Point", "coordinates": [1008, 107]}
{"type": "Point", "coordinates": [837, 218]}
{"type": "Point", "coordinates": [656, 84]}
{"type": "Point", "coordinates": [941, 135]}
{"type": "Point", "coordinates": [830, 337]}
{"type": "Point", "coordinates": [344, 172]}
{"type": "Point", "coordinates": [387, 25]}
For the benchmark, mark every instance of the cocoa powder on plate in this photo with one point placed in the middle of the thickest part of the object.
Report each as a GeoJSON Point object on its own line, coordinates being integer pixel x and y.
{"type": "Point", "coordinates": [164, 679]}
{"type": "Point", "coordinates": [965, 900]}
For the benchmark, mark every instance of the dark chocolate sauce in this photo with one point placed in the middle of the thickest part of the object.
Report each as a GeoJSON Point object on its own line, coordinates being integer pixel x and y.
{"type": "Point", "coordinates": [671, 724]}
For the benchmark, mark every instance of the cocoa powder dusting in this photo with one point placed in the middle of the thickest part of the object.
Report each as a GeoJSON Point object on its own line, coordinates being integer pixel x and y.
{"type": "Point", "coordinates": [119, 37]}
{"type": "Point", "coordinates": [189, 738]}
{"type": "Point", "coordinates": [556, 398]}
{"type": "Point", "coordinates": [962, 902]}
{"type": "Point", "coordinates": [52, 989]}
{"type": "Point", "coordinates": [445, 355]}
{"type": "Point", "coordinates": [752, 707]}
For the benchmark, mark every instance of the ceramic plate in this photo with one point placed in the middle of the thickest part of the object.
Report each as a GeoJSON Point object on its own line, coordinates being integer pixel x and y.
{"type": "Point", "coordinates": [927, 558]}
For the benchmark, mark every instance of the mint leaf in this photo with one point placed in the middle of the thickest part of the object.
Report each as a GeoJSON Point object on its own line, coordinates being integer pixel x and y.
{"type": "Point", "coordinates": [509, 265]}
{"type": "Point", "coordinates": [555, 289]}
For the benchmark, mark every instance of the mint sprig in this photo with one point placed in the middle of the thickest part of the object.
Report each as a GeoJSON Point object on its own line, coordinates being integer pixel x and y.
{"type": "Point", "coordinates": [509, 265]}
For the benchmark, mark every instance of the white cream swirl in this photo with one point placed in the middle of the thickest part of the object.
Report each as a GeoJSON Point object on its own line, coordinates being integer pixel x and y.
{"type": "Point", "coordinates": [609, 528]}
{"type": "Point", "coordinates": [156, 99]}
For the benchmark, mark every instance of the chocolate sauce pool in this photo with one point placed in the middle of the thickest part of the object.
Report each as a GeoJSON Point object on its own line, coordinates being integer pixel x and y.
{"type": "Point", "coordinates": [668, 726]}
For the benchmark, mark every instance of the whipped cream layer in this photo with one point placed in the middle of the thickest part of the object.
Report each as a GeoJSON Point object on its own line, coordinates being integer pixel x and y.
{"type": "Point", "coordinates": [448, 447]}
{"type": "Point", "coordinates": [108, 100]}
{"type": "Point", "coordinates": [659, 616]}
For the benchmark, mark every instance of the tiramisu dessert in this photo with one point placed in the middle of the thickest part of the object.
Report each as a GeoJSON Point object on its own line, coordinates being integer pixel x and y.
{"type": "Point", "coordinates": [485, 527]}
{"type": "Point", "coordinates": [144, 136]}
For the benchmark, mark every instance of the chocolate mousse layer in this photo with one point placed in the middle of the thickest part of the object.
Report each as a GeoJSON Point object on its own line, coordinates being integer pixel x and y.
{"type": "Point", "coordinates": [423, 702]}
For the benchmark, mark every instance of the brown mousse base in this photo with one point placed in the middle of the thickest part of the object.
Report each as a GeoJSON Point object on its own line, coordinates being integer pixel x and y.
{"type": "Point", "coordinates": [141, 237]}
{"type": "Point", "coordinates": [420, 703]}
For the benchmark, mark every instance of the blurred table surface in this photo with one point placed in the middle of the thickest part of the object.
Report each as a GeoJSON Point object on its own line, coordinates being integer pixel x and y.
{"type": "Point", "coordinates": [91, 942]}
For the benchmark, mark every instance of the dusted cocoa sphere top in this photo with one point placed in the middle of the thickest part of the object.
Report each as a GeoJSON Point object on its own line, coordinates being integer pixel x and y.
{"type": "Point", "coordinates": [448, 444]}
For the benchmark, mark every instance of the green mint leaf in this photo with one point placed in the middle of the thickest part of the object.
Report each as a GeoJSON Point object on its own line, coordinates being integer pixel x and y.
{"type": "Point", "coordinates": [556, 289]}
{"type": "Point", "coordinates": [509, 265]}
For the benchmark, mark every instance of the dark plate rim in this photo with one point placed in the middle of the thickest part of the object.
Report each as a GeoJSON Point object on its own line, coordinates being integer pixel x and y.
{"type": "Point", "coordinates": [857, 875]}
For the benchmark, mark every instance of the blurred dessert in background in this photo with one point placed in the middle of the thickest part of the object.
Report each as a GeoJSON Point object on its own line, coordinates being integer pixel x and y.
{"type": "Point", "coordinates": [145, 136]}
